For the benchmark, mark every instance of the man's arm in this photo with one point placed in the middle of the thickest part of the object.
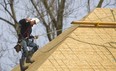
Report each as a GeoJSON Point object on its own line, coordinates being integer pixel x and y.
{"type": "Point", "coordinates": [24, 21]}
{"type": "Point", "coordinates": [35, 37]}
{"type": "Point", "coordinates": [28, 19]}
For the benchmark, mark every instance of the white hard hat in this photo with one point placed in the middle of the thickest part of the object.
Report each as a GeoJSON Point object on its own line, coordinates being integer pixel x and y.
{"type": "Point", "coordinates": [36, 20]}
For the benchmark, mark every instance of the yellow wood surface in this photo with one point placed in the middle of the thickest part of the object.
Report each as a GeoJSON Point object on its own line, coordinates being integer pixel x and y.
{"type": "Point", "coordinates": [80, 48]}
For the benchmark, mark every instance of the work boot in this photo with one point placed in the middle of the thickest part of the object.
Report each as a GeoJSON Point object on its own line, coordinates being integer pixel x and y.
{"type": "Point", "coordinates": [22, 67]}
{"type": "Point", "coordinates": [28, 59]}
{"type": "Point", "coordinates": [35, 49]}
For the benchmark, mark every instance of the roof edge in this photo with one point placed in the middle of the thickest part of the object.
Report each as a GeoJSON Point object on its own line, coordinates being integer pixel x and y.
{"type": "Point", "coordinates": [43, 53]}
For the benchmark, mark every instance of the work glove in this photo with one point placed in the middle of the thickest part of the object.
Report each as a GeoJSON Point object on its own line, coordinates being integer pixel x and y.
{"type": "Point", "coordinates": [27, 38]}
{"type": "Point", "coordinates": [35, 37]}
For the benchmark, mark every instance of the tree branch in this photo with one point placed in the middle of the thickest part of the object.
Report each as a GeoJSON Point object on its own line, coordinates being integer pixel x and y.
{"type": "Point", "coordinates": [49, 12]}
{"type": "Point", "coordinates": [44, 22]}
{"type": "Point", "coordinates": [60, 16]}
{"type": "Point", "coordinates": [100, 4]}
{"type": "Point", "coordinates": [5, 7]}
{"type": "Point", "coordinates": [7, 21]}
{"type": "Point", "coordinates": [88, 6]}
{"type": "Point", "coordinates": [13, 12]}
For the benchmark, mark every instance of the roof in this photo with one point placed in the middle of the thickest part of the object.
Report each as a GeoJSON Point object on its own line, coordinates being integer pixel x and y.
{"type": "Point", "coordinates": [83, 47]}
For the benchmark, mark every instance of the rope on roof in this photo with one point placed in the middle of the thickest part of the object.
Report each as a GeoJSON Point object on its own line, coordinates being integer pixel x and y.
{"type": "Point", "coordinates": [45, 34]}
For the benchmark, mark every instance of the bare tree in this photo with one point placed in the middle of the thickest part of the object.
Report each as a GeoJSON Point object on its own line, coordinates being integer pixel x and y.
{"type": "Point", "coordinates": [11, 12]}
{"type": "Point", "coordinates": [52, 13]}
{"type": "Point", "coordinates": [7, 7]}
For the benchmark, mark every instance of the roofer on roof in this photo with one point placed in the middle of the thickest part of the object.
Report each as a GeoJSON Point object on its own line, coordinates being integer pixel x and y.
{"type": "Point", "coordinates": [26, 40]}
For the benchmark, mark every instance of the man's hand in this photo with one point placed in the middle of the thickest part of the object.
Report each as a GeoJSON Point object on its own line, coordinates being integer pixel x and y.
{"type": "Point", "coordinates": [35, 37]}
{"type": "Point", "coordinates": [27, 38]}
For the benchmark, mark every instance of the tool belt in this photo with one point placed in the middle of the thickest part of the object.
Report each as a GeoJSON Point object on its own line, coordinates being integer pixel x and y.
{"type": "Point", "coordinates": [18, 47]}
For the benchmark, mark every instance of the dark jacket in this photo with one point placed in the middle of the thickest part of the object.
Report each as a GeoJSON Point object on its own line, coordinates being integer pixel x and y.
{"type": "Point", "coordinates": [26, 28]}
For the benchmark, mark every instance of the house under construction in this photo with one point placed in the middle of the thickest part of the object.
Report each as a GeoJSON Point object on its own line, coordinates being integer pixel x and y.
{"type": "Point", "coordinates": [89, 45]}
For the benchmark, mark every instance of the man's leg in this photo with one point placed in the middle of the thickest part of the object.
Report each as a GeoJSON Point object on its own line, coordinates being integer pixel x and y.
{"type": "Point", "coordinates": [22, 67]}
{"type": "Point", "coordinates": [24, 55]}
{"type": "Point", "coordinates": [33, 45]}
{"type": "Point", "coordinates": [31, 52]}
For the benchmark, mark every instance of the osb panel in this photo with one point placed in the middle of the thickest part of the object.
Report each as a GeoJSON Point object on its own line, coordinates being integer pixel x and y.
{"type": "Point", "coordinates": [88, 49]}
{"type": "Point", "coordinates": [102, 15]}
{"type": "Point", "coordinates": [82, 52]}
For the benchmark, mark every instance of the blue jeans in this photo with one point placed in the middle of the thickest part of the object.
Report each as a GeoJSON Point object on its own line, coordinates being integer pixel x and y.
{"type": "Point", "coordinates": [25, 52]}
{"type": "Point", "coordinates": [25, 44]}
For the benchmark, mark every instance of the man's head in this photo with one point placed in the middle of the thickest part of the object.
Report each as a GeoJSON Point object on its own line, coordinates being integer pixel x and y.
{"type": "Point", "coordinates": [34, 21]}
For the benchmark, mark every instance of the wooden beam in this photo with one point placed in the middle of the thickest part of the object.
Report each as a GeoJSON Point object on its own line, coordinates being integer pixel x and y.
{"type": "Point", "coordinates": [93, 23]}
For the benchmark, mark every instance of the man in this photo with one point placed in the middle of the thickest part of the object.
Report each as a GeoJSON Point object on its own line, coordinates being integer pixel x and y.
{"type": "Point", "coordinates": [26, 39]}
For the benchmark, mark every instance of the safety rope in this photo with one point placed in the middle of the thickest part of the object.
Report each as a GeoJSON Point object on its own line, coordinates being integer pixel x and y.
{"type": "Point", "coordinates": [45, 34]}
{"type": "Point", "coordinates": [52, 47]}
